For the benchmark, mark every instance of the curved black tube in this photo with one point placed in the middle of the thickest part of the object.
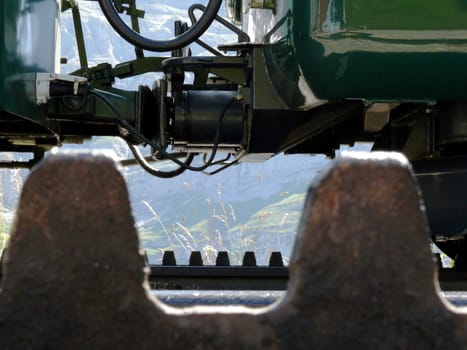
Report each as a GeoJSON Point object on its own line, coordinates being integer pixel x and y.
{"type": "Point", "coordinates": [153, 171]}
{"type": "Point", "coordinates": [185, 39]}
{"type": "Point", "coordinates": [143, 139]}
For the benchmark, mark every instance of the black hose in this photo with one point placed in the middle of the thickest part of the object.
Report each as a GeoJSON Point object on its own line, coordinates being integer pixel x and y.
{"type": "Point", "coordinates": [153, 171]}
{"type": "Point", "coordinates": [185, 39]}
{"type": "Point", "coordinates": [143, 139]}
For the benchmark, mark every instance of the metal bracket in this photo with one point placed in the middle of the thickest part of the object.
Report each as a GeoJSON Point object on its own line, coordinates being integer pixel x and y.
{"type": "Point", "coordinates": [43, 80]}
{"type": "Point", "coordinates": [377, 116]}
{"type": "Point", "coordinates": [263, 4]}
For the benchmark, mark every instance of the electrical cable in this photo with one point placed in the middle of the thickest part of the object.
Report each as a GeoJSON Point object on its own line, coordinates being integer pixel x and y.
{"type": "Point", "coordinates": [217, 162]}
{"type": "Point", "coordinates": [218, 170]}
{"type": "Point", "coordinates": [143, 139]}
{"type": "Point", "coordinates": [182, 40]}
{"type": "Point", "coordinates": [153, 171]}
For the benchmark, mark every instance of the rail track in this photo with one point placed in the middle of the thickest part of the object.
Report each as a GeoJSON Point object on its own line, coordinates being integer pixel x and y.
{"type": "Point", "coordinates": [249, 276]}
{"type": "Point", "coordinates": [196, 276]}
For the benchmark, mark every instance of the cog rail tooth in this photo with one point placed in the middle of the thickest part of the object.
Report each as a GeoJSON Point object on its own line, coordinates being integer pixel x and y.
{"type": "Point", "coordinates": [361, 272]}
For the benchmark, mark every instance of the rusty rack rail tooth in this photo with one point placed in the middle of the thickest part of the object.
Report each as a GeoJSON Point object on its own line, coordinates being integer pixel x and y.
{"type": "Point", "coordinates": [276, 259]}
{"type": "Point", "coordinates": [222, 259]}
{"type": "Point", "coordinates": [168, 259]}
{"type": "Point", "coordinates": [196, 259]}
{"type": "Point", "coordinates": [361, 272]}
{"type": "Point", "coordinates": [249, 259]}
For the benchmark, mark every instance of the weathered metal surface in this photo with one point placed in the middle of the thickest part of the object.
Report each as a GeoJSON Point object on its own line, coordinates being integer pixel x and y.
{"type": "Point", "coordinates": [361, 272]}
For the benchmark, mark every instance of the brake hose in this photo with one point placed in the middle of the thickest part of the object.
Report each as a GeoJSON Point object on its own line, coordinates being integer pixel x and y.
{"type": "Point", "coordinates": [153, 171]}
{"type": "Point", "coordinates": [143, 139]}
{"type": "Point", "coordinates": [182, 40]}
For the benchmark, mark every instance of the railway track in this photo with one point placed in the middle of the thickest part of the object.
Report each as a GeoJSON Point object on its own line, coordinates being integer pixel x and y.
{"type": "Point", "coordinates": [249, 276]}
{"type": "Point", "coordinates": [196, 276]}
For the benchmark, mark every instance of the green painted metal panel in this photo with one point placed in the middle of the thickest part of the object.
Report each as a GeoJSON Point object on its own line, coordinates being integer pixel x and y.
{"type": "Point", "coordinates": [404, 14]}
{"type": "Point", "coordinates": [29, 36]}
{"type": "Point", "coordinates": [371, 49]}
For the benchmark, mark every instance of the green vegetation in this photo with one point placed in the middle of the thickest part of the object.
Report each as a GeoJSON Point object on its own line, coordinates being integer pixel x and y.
{"type": "Point", "coordinates": [266, 228]}
{"type": "Point", "coordinates": [11, 183]}
{"type": "Point", "coordinates": [199, 220]}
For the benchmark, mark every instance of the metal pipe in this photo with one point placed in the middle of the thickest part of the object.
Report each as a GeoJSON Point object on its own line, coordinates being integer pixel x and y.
{"type": "Point", "coordinates": [185, 39]}
{"type": "Point", "coordinates": [83, 60]}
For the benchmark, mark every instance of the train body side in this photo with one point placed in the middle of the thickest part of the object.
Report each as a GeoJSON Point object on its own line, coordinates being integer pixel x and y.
{"type": "Point", "coordinates": [30, 43]}
{"type": "Point", "coordinates": [412, 51]}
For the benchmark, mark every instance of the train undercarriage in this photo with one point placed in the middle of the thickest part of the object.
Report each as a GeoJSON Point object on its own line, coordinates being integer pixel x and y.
{"type": "Point", "coordinates": [240, 104]}
{"type": "Point", "coordinates": [302, 77]}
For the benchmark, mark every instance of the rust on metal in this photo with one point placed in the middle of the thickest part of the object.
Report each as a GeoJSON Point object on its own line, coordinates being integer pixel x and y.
{"type": "Point", "coordinates": [361, 274]}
